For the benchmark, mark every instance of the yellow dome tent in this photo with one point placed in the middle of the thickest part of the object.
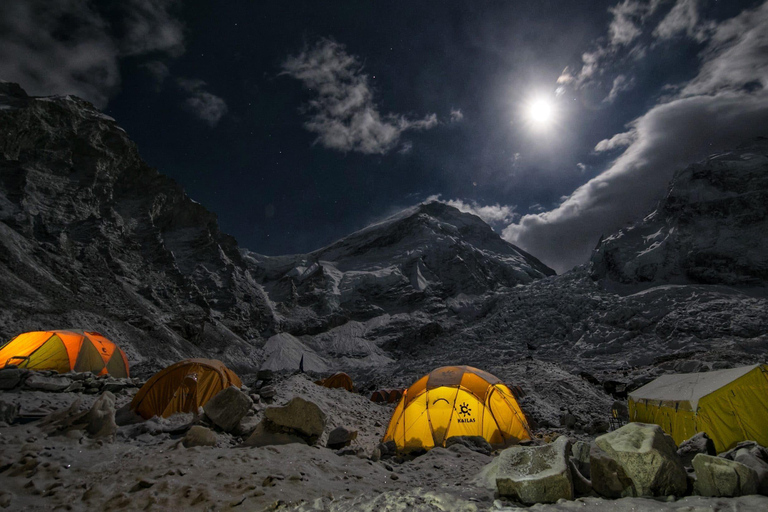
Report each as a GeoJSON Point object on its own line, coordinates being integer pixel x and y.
{"type": "Point", "coordinates": [729, 405]}
{"type": "Point", "coordinates": [456, 401]}
{"type": "Point", "coordinates": [65, 351]}
{"type": "Point", "coordinates": [183, 387]}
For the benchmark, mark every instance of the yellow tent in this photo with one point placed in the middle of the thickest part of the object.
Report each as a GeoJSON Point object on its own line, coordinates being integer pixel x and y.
{"type": "Point", "coordinates": [64, 351]}
{"type": "Point", "coordinates": [183, 387]}
{"type": "Point", "coordinates": [729, 405]}
{"type": "Point", "coordinates": [456, 401]}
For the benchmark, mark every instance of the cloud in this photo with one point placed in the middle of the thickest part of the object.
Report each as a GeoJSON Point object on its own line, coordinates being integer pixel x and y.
{"type": "Point", "coordinates": [620, 84]}
{"type": "Point", "coordinates": [69, 47]}
{"type": "Point", "coordinates": [494, 215]}
{"type": "Point", "coordinates": [724, 105]}
{"type": "Point", "coordinates": [625, 25]}
{"type": "Point", "coordinates": [343, 112]}
{"type": "Point", "coordinates": [456, 115]}
{"type": "Point", "coordinates": [206, 106]}
{"type": "Point", "coordinates": [683, 18]}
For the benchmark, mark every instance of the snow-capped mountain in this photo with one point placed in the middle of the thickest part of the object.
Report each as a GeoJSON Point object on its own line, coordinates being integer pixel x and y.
{"type": "Point", "coordinates": [710, 228]}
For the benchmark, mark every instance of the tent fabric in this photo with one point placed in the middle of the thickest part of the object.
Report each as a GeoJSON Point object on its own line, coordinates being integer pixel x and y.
{"type": "Point", "coordinates": [456, 401]}
{"type": "Point", "coordinates": [729, 405]}
{"type": "Point", "coordinates": [64, 351]}
{"type": "Point", "coordinates": [338, 380]}
{"type": "Point", "coordinates": [183, 387]}
{"type": "Point", "coordinates": [389, 396]}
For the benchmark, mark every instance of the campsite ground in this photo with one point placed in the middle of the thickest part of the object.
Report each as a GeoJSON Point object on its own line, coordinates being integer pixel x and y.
{"type": "Point", "coordinates": [146, 469]}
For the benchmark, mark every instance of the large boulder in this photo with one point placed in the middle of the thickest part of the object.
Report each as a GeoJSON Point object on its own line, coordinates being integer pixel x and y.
{"type": "Point", "coordinates": [608, 477]}
{"type": "Point", "coordinates": [298, 416]}
{"type": "Point", "coordinates": [40, 382]}
{"type": "Point", "coordinates": [754, 456]}
{"type": "Point", "coordinates": [648, 457]}
{"type": "Point", "coordinates": [535, 474]}
{"type": "Point", "coordinates": [716, 476]}
{"type": "Point", "coordinates": [227, 408]}
{"type": "Point", "coordinates": [10, 378]}
{"type": "Point", "coordinates": [700, 443]}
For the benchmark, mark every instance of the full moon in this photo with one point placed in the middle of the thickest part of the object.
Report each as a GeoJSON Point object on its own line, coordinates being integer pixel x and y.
{"type": "Point", "coordinates": [541, 112]}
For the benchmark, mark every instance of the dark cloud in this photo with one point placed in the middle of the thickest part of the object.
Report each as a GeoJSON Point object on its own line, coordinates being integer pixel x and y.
{"type": "Point", "coordinates": [724, 105]}
{"type": "Point", "coordinates": [150, 26]}
{"type": "Point", "coordinates": [206, 106]}
{"type": "Point", "coordinates": [344, 114]}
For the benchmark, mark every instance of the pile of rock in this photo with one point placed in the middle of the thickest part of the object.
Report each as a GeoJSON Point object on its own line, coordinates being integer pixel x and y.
{"type": "Point", "coordinates": [12, 377]}
{"type": "Point", "coordinates": [264, 386]}
{"type": "Point", "coordinates": [633, 461]}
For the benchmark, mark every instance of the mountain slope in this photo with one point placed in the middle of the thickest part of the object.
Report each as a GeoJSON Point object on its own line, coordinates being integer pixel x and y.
{"type": "Point", "coordinates": [92, 237]}
{"type": "Point", "coordinates": [710, 228]}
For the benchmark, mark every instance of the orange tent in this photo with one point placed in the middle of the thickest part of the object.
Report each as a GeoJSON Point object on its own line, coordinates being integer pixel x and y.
{"type": "Point", "coordinates": [338, 380]}
{"type": "Point", "coordinates": [456, 401]}
{"type": "Point", "coordinates": [65, 351]}
{"type": "Point", "coordinates": [183, 387]}
{"type": "Point", "coordinates": [389, 396]}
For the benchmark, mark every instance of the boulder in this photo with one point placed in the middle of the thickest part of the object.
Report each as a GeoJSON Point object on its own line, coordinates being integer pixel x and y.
{"type": "Point", "coordinates": [9, 411]}
{"type": "Point", "coordinates": [719, 477]}
{"type": "Point", "coordinates": [199, 436]}
{"type": "Point", "coordinates": [39, 382]}
{"type": "Point", "coordinates": [387, 450]}
{"type": "Point", "coordinates": [754, 456]}
{"type": "Point", "coordinates": [607, 476]}
{"type": "Point", "coordinates": [268, 392]}
{"type": "Point", "coordinates": [340, 437]}
{"type": "Point", "coordinates": [700, 443]}
{"type": "Point", "coordinates": [300, 417]}
{"type": "Point", "coordinates": [100, 419]}
{"type": "Point", "coordinates": [265, 435]}
{"type": "Point", "coordinates": [10, 378]}
{"type": "Point", "coordinates": [227, 408]}
{"type": "Point", "coordinates": [535, 474]}
{"type": "Point", "coordinates": [580, 457]}
{"type": "Point", "coordinates": [475, 443]}
{"type": "Point", "coordinates": [648, 457]}
{"type": "Point", "coordinates": [581, 485]}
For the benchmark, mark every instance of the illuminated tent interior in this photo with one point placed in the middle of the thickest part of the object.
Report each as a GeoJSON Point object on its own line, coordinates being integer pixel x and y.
{"type": "Point", "coordinates": [456, 401]}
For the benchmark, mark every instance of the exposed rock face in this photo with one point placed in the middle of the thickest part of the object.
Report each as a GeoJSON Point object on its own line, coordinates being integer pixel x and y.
{"type": "Point", "coordinates": [710, 228]}
{"type": "Point", "coordinates": [89, 233]}
{"type": "Point", "coordinates": [227, 408]}
{"type": "Point", "coordinates": [647, 456]}
{"type": "Point", "coordinates": [716, 476]}
{"type": "Point", "coordinates": [532, 474]}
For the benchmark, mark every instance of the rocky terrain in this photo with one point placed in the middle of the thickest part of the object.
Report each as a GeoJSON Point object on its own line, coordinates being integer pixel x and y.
{"type": "Point", "coordinates": [92, 237]}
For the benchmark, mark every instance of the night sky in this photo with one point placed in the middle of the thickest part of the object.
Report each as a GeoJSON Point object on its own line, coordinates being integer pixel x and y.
{"type": "Point", "coordinates": [300, 122]}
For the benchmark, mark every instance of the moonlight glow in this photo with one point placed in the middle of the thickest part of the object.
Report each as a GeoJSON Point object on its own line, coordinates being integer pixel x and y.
{"type": "Point", "coordinates": [541, 113]}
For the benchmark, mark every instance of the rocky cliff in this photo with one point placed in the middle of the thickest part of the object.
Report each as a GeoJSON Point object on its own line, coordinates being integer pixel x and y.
{"type": "Point", "coordinates": [710, 228]}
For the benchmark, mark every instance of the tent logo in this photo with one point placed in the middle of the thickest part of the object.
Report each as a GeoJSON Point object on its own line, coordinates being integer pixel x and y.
{"type": "Point", "coordinates": [464, 412]}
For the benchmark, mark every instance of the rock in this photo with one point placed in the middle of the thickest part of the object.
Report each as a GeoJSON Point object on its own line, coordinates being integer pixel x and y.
{"type": "Point", "coordinates": [537, 474]}
{"type": "Point", "coordinates": [607, 476]}
{"type": "Point", "coordinates": [75, 387]}
{"type": "Point", "coordinates": [754, 456]}
{"type": "Point", "coordinates": [475, 443]}
{"type": "Point", "coordinates": [39, 382]}
{"type": "Point", "coordinates": [568, 421]}
{"type": "Point", "coordinates": [700, 443]}
{"type": "Point", "coordinates": [100, 419]}
{"type": "Point", "coordinates": [10, 378]}
{"type": "Point", "coordinates": [8, 411]}
{"type": "Point", "coordinates": [580, 457]}
{"type": "Point", "coordinates": [265, 375]}
{"type": "Point", "coordinates": [648, 457]}
{"type": "Point", "coordinates": [265, 435]}
{"type": "Point", "coordinates": [116, 385]}
{"type": "Point", "coordinates": [199, 436]}
{"type": "Point", "coordinates": [340, 437]}
{"type": "Point", "coordinates": [298, 416]}
{"type": "Point", "coordinates": [581, 485]}
{"type": "Point", "coordinates": [227, 408]}
{"type": "Point", "coordinates": [719, 477]}
{"type": "Point", "coordinates": [268, 392]}
{"type": "Point", "coordinates": [599, 427]}
{"type": "Point", "coordinates": [387, 450]}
